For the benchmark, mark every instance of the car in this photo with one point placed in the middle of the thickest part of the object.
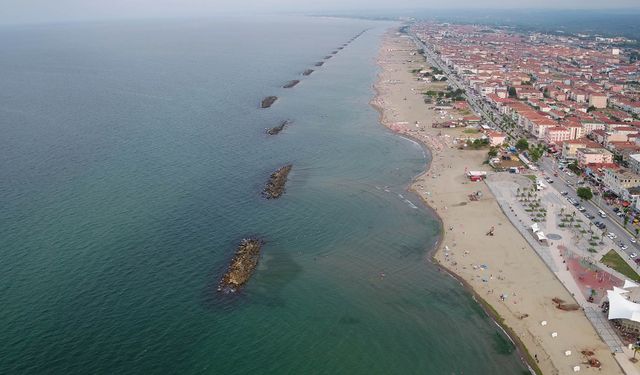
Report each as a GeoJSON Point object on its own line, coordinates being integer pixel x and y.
{"type": "Point", "coordinates": [575, 203]}
{"type": "Point", "coordinates": [616, 209]}
{"type": "Point", "coordinates": [620, 213]}
{"type": "Point", "coordinates": [611, 235]}
{"type": "Point", "coordinates": [633, 240]}
{"type": "Point", "coordinates": [550, 181]}
{"type": "Point", "coordinates": [633, 255]}
{"type": "Point", "coordinates": [623, 246]}
{"type": "Point", "coordinates": [564, 193]}
{"type": "Point", "coordinates": [589, 216]}
{"type": "Point", "coordinates": [581, 209]}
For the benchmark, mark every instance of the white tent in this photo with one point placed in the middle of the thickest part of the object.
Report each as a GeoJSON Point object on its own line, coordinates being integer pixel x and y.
{"type": "Point", "coordinates": [535, 228]}
{"type": "Point", "coordinates": [541, 236]}
{"type": "Point", "coordinates": [620, 307]}
{"type": "Point", "coordinates": [629, 284]}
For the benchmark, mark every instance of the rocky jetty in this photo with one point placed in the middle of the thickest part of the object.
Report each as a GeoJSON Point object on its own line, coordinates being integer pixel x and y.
{"type": "Point", "coordinates": [268, 101]}
{"type": "Point", "coordinates": [277, 129]}
{"type": "Point", "coordinates": [319, 63]}
{"type": "Point", "coordinates": [328, 57]}
{"type": "Point", "coordinates": [290, 84]}
{"type": "Point", "coordinates": [339, 48]}
{"type": "Point", "coordinates": [334, 52]}
{"type": "Point", "coordinates": [277, 180]}
{"type": "Point", "coordinates": [242, 265]}
{"type": "Point", "coordinates": [307, 72]}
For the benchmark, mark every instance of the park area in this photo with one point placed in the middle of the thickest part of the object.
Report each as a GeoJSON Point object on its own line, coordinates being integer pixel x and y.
{"type": "Point", "coordinates": [592, 281]}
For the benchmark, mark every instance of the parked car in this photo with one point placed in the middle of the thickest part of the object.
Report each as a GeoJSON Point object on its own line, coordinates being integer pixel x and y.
{"type": "Point", "coordinates": [611, 235]}
{"type": "Point", "coordinates": [564, 193]}
{"type": "Point", "coordinates": [633, 240]}
{"type": "Point", "coordinates": [633, 255]}
{"type": "Point", "coordinates": [581, 209]}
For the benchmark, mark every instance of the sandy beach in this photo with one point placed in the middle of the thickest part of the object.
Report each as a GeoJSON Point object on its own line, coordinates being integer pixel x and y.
{"type": "Point", "coordinates": [502, 270]}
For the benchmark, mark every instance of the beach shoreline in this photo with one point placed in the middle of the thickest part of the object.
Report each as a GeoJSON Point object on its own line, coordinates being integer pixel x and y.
{"type": "Point", "coordinates": [437, 247]}
{"type": "Point", "coordinates": [540, 355]}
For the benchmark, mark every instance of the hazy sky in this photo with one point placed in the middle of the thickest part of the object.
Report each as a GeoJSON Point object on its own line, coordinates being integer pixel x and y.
{"type": "Point", "coordinates": [26, 11]}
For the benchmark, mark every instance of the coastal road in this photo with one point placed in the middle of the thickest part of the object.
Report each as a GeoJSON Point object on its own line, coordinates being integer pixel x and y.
{"type": "Point", "coordinates": [567, 183]}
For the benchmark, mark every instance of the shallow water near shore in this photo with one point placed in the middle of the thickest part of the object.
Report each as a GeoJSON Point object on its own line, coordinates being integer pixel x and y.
{"type": "Point", "coordinates": [134, 155]}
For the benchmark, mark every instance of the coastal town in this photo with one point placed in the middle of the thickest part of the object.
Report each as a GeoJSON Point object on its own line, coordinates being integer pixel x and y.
{"type": "Point", "coordinates": [535, 174]}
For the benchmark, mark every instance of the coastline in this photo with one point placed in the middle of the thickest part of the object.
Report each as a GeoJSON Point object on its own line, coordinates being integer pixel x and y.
{"type": "Point", "coordinates": [538, 355]}
{"type": "Point", "coordinates": [498, 320]}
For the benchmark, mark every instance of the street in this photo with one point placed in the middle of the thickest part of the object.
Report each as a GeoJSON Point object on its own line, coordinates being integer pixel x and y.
{"type": "Point", "coordinates": [567, 183]}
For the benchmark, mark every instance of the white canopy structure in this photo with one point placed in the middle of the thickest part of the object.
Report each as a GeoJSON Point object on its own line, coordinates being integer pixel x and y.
{"type": "Point", "coordinates": [541, 236]}
{"type": "Point", "coordinates": [629, 284]}
{"type": "Point", "coordinates": [620, 307]}
{"type": "Point", "coordinates": [535, 228]}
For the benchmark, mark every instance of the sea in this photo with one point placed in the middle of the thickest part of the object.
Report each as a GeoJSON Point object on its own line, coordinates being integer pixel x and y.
{"type": "Point", "coordinates": [132, 158]}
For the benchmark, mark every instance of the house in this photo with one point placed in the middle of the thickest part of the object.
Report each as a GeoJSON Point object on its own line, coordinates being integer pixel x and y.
{"type": "Point", "coordinates": [557, 134]}
{"type": "Point", "coordinates": [570, 147]}
{"type": "Point", "coordinates": [634, 163]}
{"type": "Point", "coordinates": [619, 181]}
{"type": "Point", "coordinates": [598, 100]}
{"type": "Point", "coordinates": [590, 125]}
{"type": "Point", "coordinates": [590, 156]}
{"type": "Point", "coordinates": [496, 138]}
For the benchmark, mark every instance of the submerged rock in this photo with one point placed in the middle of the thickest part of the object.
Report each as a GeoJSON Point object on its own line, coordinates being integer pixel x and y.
{"type": "Point", "coordinates": [277, 129]}
{"type": "Point", "coordinates": [307, 72]}
{"type": "Point", "coordinates": [334, 52]}
{"type": "Point", "coordinates": [292, 83]}
{"type": "Point", "coordinates": [319, 63]}
{"type": "Point", "coordinates": [328, 57]}
{"type": "Point", "coordinates": [277, 180]}
{"type": "Point", "coordinates": [242, 265]}
{"type": "Point", "coordinates": [268, 101]}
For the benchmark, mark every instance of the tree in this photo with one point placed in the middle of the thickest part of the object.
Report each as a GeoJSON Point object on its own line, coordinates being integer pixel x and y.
{"type": "Point", "coordinates": [493, 152]}
{"type": "Point", "coordinates": [626, 220]}
{"type": "Point", "coordinates": [584, 193]}
{"type": "Point", "coordinates": [574, 168]}
{"type": "Point", "coordinates": [512, 92]}
{"type": "Point", "coordinates": [535, 154]}
{"type": "Point", "coordinates": [591, 109]}
{"type": "Point", "coordinates": [522, 144]}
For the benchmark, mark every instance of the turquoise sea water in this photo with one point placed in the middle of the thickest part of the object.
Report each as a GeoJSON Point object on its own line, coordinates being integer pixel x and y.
{"type": "Point", "coordinates": [133, 155]}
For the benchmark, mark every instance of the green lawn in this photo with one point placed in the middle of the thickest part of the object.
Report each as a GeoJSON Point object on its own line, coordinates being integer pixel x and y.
{"type": "Point", "coordinates": [615, 261]}
{"type": "Point", "coordinates": [471, 131]}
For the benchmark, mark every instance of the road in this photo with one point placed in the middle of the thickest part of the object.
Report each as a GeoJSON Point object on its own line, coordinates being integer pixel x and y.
{"type": "Point", "coordinates": [567, 183]}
